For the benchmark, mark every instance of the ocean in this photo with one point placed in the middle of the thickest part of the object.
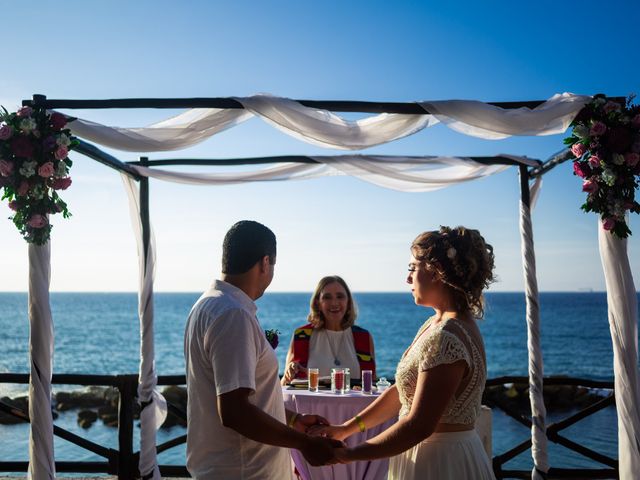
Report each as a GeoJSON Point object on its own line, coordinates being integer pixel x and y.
{"type": "Point", "coordinates": [98, 333]}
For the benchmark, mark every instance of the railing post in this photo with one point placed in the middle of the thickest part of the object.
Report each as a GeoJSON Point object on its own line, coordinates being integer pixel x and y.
{"type": "Point", "coordinates": [127, 386]}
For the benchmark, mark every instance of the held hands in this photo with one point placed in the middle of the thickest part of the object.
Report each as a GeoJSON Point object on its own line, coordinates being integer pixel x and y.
{"type": "Point", "coordinates": [325, 446]}
{"type": "Point", "coordinates": [322, 451]}
{"type": "Point", "coordinates": [337, 432]}
{"type": "Point", "coordinates": [304, 423]}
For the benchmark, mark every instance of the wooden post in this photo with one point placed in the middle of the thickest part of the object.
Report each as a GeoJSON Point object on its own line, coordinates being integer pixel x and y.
{"type": "Point", "coordinates": [127, 386]}
{"type": "Point", "coordinates": [144, 211]}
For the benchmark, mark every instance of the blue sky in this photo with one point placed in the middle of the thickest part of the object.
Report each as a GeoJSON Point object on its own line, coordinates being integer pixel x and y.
{"type": "Point", "coordinates": [373, 50]}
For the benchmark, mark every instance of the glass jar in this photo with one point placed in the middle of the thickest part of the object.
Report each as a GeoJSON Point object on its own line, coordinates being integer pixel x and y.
{"type": "Point", "coordinates": [382, 384]}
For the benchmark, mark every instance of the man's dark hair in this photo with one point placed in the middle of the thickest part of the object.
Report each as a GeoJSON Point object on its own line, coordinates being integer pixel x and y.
{"type": "Point", "coordinates": [245, 244]}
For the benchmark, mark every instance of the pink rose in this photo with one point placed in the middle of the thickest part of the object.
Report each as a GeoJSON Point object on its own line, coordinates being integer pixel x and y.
{"type": "Point", "coordinates": [37, 221]}
{"type": "Point", "coordinates": [46, 170]}
{"type": "Point", "coordinates": [58, 121]}
{"type": "Point", "coordinates": [608, 223]}
{"type": "Point", "coordinates": [23, 189]}
{"type": "Point", "coordinates": [6, 168]}
{"type": "Point", "coordinates": [636, 121]}
{"type": "Point", "coordinates": [61, 183]}
{"type": "Point", "coordinates": [581, 170]}
{"type": "Point", "coordinates": [6, 131]}
{"type": "Point", "coordinates": [24, 112]}
{"type": "Point", "coordinates": [631, 159]}
{"type": "Point", "coordinates": [598, 128]}
{"type": "Point", "coordinates": [578, 149]}
{"type": "Point", "coordinates": [13, 205]}
{"type": "Point", "coordinates": [589, 186]}
{"type": "Point", "coordinates": [61, 152]}
{"type": "Point", "coordinates": [594, 161]}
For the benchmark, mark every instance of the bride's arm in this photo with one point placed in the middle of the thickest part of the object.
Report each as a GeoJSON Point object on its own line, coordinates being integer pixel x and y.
{"type": "Point", "coordinates": [434, 390]}
{"type": "Point", "coordinates": [385, 407]}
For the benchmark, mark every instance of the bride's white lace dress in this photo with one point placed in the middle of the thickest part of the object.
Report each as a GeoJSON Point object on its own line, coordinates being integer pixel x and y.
{"type": "Point", "coordinates": [454, 455]}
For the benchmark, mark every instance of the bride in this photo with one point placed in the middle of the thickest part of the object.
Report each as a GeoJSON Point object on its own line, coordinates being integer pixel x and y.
{"type": "Point", "coordinates": [441, 376]}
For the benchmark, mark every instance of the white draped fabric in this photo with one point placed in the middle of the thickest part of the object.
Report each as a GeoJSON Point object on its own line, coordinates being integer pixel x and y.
{"type": "Point", "coordinates": [407, 174]}
{"type": "Point", "coordinates": [181, 131]}
{"type": "Point", "coordinates": [153, 405]}
{"type": "Point", "coordinates": [41, 458]}
{"type": "Point", "coordinates": [326, 129]}
{"type": "Point", "coordinates": [623, 323]}
{"type": "Point", "coordinates": [482, 120]}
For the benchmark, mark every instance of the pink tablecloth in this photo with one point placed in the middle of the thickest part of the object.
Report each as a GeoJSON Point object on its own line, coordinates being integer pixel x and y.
{"type": "Point", "coordinates": [336, 409]}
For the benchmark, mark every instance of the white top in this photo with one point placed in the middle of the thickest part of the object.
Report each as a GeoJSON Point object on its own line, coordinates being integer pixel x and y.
{"type": "Point", "coordinates": [444, 343]}
{"type": "Point", "coordinates": [326, 346]}
{"type": "Point", "coordinates": [226, 349]}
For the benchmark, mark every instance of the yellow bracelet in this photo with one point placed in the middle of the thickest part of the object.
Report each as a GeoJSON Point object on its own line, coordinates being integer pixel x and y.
{"type": "Point", "coordinates": [292, 420]}
{"type": "Point", "coordinates": [360, 423]}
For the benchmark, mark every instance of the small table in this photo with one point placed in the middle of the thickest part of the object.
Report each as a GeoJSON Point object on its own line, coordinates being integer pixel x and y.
{"type": "Point", "coordinates": [336, 409]}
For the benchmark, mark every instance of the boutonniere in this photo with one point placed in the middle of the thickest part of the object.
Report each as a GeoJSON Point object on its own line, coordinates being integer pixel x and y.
{"type": "Point", "coordinates": [272, 337]}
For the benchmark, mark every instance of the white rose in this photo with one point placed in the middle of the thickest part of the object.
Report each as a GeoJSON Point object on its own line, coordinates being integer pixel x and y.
{"type": "Point", "coordinates": [61, 170]}
{"type": "Point", "coordinates": [582, 131]}
{"type": "Point", "coordinates": [28, 169]}
{"type": "Point", "coordinates": [63, 140]}
{"type": "Point", "coordinates": [609, 177]}
{"type": "Point", "coordinates": [617, 158]}
{"type": "Point", "coordinates": [27, 125]}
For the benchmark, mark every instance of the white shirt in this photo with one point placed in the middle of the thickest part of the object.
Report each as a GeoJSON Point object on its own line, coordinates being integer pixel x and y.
{"type": "Point", "coordinates": [326, 345]}
{"type": "Point", "coordinates": [225, 349]}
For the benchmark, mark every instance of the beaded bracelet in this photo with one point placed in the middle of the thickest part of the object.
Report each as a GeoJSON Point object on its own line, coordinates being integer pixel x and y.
{"type": "Point", "coordinates": [360, 423]}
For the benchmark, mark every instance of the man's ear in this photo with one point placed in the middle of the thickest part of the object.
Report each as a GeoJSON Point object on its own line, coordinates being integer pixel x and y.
{"type": "Point", "coordinates": [264, 264]}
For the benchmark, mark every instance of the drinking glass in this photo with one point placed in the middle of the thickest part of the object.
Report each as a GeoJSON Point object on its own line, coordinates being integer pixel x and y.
{"type": "Point", "coordinates": [367, 381]}
{"type": "Point", "coordinates": [314, 376]}
{"type": "Point", "coordinates": [347, 380]}
{"type": "Point", "coordinates": [337, 380]}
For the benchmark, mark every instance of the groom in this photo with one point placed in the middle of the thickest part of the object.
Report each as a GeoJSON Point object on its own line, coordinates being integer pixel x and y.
{"type": "Point", "coordinates": [237, 424]}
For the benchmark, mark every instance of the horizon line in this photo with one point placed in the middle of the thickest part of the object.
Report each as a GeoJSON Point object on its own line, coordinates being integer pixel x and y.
{"type": "Point", "coordinates": [582, 290]}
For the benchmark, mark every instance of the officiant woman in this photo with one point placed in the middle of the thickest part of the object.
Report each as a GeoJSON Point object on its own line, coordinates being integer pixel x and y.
{"type": "Point", "coordinates": [330, 339]}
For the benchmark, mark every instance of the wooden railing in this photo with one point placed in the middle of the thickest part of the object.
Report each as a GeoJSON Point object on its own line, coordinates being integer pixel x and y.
{"type": "Point", "coordinates": [123, 462]}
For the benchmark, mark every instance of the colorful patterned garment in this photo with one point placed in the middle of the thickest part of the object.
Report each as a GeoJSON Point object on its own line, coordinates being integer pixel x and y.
{"type": "Point", "coordinates": [361, 342]}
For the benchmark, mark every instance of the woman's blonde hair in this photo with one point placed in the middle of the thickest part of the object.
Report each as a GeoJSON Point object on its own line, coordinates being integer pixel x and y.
{"type": "Point", "coordinates": [462, 260]}
{"type": "Point", "coordinates": [315, 316]}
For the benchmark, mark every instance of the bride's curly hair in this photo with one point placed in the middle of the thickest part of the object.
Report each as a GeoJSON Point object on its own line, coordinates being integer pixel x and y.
{"type": "Point", "coordinates": [462, 260]}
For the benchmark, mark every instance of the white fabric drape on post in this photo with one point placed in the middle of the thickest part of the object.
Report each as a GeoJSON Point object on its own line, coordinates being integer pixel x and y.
{"type": "Point", "coordinates": [41, 458]}
{"type": "Point", "coordinates": [623, 322]}
{"type": "Point", "coordinates": [326, 129]}
{"type": "Point", "coordinates": [153, 405]}
{"type": "Point", "coordinates": [536, 370]}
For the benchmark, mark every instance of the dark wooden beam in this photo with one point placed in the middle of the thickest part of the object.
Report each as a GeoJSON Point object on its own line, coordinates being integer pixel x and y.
{"type": "Point", "coordinates": [229, 102]}
{"type": "Point", "coordinates": [287, 159]}
{"type": "Point", "coordinates": [94, 152]}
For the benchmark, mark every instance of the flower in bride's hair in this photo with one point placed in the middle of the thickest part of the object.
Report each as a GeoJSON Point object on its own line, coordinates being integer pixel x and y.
{"type": "Point", "coordinates": [451, 253]}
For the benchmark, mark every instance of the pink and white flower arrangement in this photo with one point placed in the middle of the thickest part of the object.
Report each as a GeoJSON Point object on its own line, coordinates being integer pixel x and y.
{"type": "Point", "coordinates": [34, 166]}
{"type": "Point", "coordinates": [606, 143]}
